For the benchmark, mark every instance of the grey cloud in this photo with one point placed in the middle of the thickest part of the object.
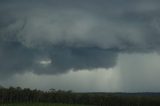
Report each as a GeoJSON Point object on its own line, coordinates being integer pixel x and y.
{"type": "Point", "coordinates": [16, 58]}
{"type": "Point", "coordinates": [74, 34]}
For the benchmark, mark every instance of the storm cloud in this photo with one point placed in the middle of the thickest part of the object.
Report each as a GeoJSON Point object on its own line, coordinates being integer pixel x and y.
{"type": "Point", "coordinates": [55, 36]}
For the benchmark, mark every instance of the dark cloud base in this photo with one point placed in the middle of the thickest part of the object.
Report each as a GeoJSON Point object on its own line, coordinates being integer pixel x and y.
{"type": "Point", "coordinates": [16, 58]}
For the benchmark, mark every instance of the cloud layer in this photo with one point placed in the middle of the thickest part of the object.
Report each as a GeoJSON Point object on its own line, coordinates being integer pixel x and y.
{"type": "Point", "coordinates": [56, 36]}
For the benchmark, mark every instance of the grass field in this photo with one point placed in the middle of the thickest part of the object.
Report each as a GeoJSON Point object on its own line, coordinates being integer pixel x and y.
{"type": "Point", "coordinates": [40, 104]}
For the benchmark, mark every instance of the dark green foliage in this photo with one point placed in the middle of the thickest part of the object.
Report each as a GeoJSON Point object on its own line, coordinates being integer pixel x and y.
{"type": "Point", "coordinates": [40, 104]}
{"type": "Point", "coordinates": [26, 96]}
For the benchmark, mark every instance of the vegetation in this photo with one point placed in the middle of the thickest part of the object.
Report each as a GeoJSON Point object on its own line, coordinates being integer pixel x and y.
{"type": "Point", "coordinates": [27, 96]}
{"type": "Point", "coordinates": [40, 104]}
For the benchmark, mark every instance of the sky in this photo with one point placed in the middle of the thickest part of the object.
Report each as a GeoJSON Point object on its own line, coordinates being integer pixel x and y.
{"type": "Point", "coordinates": [80, 45]}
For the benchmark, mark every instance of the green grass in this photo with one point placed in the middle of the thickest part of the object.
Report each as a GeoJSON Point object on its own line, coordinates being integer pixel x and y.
{"type": "Point", "coordinates": [40, 104]}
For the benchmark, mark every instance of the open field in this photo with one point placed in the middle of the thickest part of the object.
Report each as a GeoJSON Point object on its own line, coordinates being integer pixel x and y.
{"type": "Point", "coordinates": [40, 104]}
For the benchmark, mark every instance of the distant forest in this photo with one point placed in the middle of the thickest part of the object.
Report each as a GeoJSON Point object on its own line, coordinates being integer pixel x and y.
{"type": "Point", "coordinates": [26, 95]}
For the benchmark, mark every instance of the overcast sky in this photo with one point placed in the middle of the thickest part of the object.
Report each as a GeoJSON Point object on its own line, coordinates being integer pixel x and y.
{"type": "Point", "coordinates": [81, 45]}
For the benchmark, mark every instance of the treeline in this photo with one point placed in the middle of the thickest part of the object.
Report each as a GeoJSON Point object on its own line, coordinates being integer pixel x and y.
{"type": "Point", "coordinates": [26, 95]}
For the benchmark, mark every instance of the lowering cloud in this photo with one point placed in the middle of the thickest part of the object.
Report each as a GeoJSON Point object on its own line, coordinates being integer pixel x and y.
{"type": "Point", "coordinates": [51, 36]}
